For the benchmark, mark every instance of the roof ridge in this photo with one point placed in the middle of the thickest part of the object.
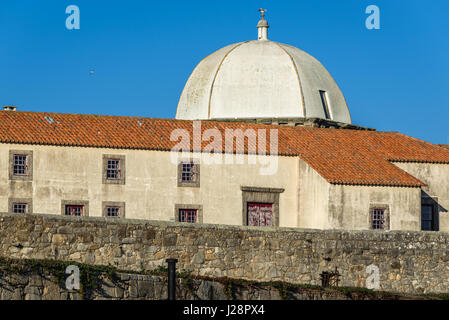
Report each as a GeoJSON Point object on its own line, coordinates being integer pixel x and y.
{"type": "Point", "coordinates": [338, 155]}
{"type": "Point", "coordinates": [417, 139]}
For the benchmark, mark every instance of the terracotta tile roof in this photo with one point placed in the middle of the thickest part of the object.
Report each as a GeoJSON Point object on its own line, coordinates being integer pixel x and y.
{"type": "Point", "coordinates": [341, 156]}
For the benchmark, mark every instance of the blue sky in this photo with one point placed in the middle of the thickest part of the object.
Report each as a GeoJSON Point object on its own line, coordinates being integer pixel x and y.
{"type": "Point", "coordinates": [142, 52]}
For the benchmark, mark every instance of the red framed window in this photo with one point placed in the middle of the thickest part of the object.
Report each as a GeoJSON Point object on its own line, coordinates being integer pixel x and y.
{"type": "Point", "coordinates": [260, 214]}
{"type": "Point", "coordinates": [113, 169]}
{"type": "Point", "coordinates": [19, 208]}
{"type": "Point", "coordinates": [20, 167]}
{"type": "Point", "coordinates": [113, 212]}
{"type": "Point", "coordinates": [188, 215]}
{"type": "Point", "coordinates": [72, 210]}
{"type": "Point", "coordinates": [378, 222]}
{"type": "Point", "coordinates": [188, 172]}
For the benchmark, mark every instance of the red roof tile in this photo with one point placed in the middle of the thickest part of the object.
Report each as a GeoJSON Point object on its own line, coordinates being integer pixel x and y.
{"type": "Point", "coordinates": [341, 156]}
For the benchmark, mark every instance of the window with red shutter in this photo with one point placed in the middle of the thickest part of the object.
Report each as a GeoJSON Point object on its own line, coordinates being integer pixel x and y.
{"type": "Point", "coordinates": [72, 210]}
{"type": "Point", "coordinates": [188, 215]}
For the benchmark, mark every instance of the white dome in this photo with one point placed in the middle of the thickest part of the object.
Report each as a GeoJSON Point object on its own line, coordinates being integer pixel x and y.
{"type": "Point", "coordinates": [261, 79]}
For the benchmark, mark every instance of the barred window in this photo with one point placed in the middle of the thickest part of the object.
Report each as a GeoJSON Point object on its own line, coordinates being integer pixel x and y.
{"type": "Point", "coordinates": [378, 221]}
{"type": "Point", "coordinates": [113, 169]}
{"type": "Point", "coordinates": [19, 208]}
{"type": "Point", "coordinates": [188, 172]}
{"type": "Point", "coordinates": [20, 167]}
{"type": "Point", "coordinates": [113, 212]}
{"type": "Point", "coordinates": [188, 215]}
{"type": "Point", "coordinates": [71, 210]}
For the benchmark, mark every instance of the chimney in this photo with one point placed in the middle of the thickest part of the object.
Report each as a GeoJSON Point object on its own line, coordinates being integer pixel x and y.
{"type": "Point", "coordinates": [9, 108]}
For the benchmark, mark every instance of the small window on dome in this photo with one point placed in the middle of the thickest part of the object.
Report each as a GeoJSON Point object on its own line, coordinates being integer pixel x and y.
{"type": "Point", "coordinates": [325, 103]}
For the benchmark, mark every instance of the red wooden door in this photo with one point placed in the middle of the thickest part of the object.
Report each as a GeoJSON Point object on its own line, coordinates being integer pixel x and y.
{"type": "Point", "coordinates": [260, 214]}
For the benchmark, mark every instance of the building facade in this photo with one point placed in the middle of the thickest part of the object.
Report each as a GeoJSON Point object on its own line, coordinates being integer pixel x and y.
{"type": "Point", "coordinates": [263, 137]}
{"type": "Point", "coordinates": [322, 178]}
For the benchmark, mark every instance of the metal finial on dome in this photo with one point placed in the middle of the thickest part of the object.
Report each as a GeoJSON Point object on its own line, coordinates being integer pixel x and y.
{"type": "Point", "coordinates": [262, 26]}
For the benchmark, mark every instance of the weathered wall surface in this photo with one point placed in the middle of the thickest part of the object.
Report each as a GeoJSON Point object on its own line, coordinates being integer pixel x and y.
{"type": "Point", "coordinates": [150, 191]}
{"type": "Point", "coordinates": [349, 206]}
{"type": "Point", "coordinates": [313, 195]}
{"type": "Point", "coordinates": [43, 285]}
{"type": "Point", "coordinates": [140, 287]}
{"type": "Point", "coordinates": [411, 262]}
{"type": "Point", "coordinates": [436, 176]}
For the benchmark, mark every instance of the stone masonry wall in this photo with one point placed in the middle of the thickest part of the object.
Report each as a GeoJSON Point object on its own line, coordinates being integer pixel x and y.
{"type": "Point", "coordinates": [25, 282]}
{"type": "Point", "coordinates": [408, 262]}
{"type": "Point", "coordinates": [43, 286]}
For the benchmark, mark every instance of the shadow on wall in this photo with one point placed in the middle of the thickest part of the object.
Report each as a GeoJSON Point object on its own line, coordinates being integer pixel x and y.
{"type": "Point", "coordinates": [436, 208]}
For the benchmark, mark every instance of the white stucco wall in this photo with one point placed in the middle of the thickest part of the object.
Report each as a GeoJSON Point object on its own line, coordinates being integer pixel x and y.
{"type": "Point", "coordinates": [329, 206]}
{"type": "Point", "coordinates": [349, 206]}
{"type": "Point", "coordinates": [151, 191]}
{"type": "Point", "coordinates": [436, 176]}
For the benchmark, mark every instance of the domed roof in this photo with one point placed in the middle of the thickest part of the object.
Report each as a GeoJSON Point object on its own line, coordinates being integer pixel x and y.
{"type": "Point", "coordinates": [260, 79]}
